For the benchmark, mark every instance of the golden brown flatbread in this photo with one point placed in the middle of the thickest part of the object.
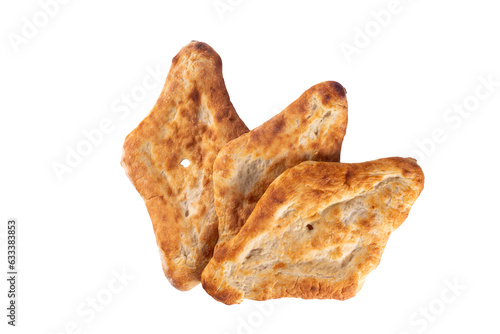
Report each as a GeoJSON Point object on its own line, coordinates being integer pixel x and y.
{"type": "Point", "coordinates": [311, 128]}
{"type": "Point", "coordinates": [317, 232]}
{"type": "Point", "coordinates": [192, 119]}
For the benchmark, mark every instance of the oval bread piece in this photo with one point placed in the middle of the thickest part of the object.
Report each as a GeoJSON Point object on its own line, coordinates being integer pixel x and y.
{"type": "Point", "coordinates": [311, 128]}
{"type": "Point", "coordinates": [192, 119]}
{"type": "Point", "coordinates": [317, 232]}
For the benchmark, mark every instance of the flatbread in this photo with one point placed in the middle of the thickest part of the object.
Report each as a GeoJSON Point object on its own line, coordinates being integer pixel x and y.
{"type": "Point", "coordinates": [311, 128]}
{"type": "Point", "coordinates": [192, 119]}
{"type": "Point", "coordinates": [317, 232]}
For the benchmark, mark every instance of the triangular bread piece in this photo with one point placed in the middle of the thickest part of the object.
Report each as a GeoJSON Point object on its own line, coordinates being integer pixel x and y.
{"type": "Point", "coordinates": [192, 119]}
{"type": "Point", "coordinates": [317, 232]}
{"type": "Point", "coordinates": [311, 128]}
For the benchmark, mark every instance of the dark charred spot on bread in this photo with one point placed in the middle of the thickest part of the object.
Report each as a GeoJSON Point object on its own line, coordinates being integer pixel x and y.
{"type": "Point", "coordinates": [366, 223]}
{"type": "Point", "coordinates": [209, 52]}
{"type": "Point", "coordinates": [310, 227]}
{"type": "Point", "coordinates": [278, 196]}
{"type": "Point", "coordinates": [341, 91]}
{"type": "Point", "coordinates": [190, 143]}
{"type": "Point", "coordinates": [326, 98]}
{"type": "Point", "coordinates": [194, 96]}
{"type": "Point", "coordinates": [209, 133]}
{"type": "Point", "coordinates": [348, 177]}
{"type": "Point", "coordinates": [316, 193]}
{"type": "Point", "coordinates": [199, 45]}
{"type": "Point", "coordinates": [207, 251]}
{"type": "Point", "coordinates": [176, 59]}
{"type": "Point", "coordinates": [334, 92]}
{"type": "Point", "coordinates": [220, 253]}
{"type": "Point", "coordinates": [406, 173]}
{"type": "Point", "coordinates": [279, 265]}
{"type": "Point", "coordinates": [230, 118]}
{"type": "Point", "coordinates": [221, 114]}
{"type": "Point", "coordinates": [278, 125]}
{"type": "Point", "coordinates": [172, 161]}
{"type": "Point", "coordinates": [218, 60]}
{"type": "Point", "coordinates": [301, 106]}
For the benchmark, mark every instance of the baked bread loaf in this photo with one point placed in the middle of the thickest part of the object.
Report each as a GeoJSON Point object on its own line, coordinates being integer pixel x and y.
{"type": "Point", "coordinates": [317, 232]}
{"type": "Point", "coordinates": [311, 128]}
{"type": "Point", "coordinates": [192, 119]}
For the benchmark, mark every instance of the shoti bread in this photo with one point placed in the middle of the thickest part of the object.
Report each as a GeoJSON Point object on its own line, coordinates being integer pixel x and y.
{"type": "Point", "coordinates": [317, 232]}
{"type": "Point", "coordinates": [192, 119]}
{"type": "Point", "coordinates": [311, 128]}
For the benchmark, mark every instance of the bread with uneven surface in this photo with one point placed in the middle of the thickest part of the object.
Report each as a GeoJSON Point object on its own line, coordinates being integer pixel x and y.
{"type": "Point", "coordinates": [317, 232]}
{"type": "Point", "coordinates": [311, 128]}
{"type": "Point", "coordinates": [192, 120]}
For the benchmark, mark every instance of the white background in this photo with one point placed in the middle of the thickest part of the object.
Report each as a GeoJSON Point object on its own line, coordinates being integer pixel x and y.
{"type": "Point", "coordinates": [73, 72]}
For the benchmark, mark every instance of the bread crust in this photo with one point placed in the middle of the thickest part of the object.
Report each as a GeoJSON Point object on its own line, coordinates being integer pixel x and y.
{"type": "Point", "coordinates": [317, 232]}
{"type": "Point", "coordinates": [311, 128]}
{"type": "Point", "coordinates": [192, 119]}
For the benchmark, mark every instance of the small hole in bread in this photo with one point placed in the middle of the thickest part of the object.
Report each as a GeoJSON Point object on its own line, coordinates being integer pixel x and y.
{"type": "Point", "coordinates": [185, 163]}
{"type": "Point", "coordinates": [310, 227]}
